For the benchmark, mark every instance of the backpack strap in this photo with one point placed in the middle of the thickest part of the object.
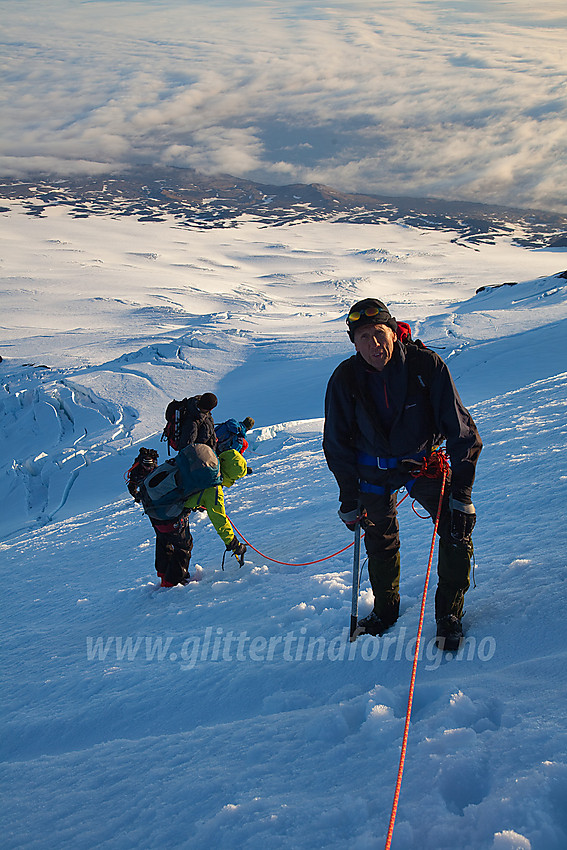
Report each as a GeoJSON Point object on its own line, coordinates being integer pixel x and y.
{"type": "Point", "coordinates": [184, 468]}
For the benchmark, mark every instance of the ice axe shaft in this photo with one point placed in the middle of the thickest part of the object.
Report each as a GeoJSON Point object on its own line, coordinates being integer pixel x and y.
{"type": "Point", "coordinates": [355, 584]}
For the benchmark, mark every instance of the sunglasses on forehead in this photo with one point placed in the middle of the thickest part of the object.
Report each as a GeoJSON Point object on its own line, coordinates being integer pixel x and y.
{"type": "Point", "coordinates": [356, 315]}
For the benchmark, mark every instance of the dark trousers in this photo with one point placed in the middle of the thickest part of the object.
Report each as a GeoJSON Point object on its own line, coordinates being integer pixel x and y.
{"type": "Point", "coordinates": [173, 549]}
{"type": "Point", "coordinates": [382, 542]}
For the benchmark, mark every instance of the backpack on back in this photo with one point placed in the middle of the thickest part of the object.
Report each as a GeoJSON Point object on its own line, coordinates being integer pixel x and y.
{"type": "Point", "coordinates": [404, 335]}
{"type": "Point", "coordinates": [164, 492]}
{"type": "Point", "coordinates": [404, 332]}
{"type": "Point", "coordinates": [175, 413]}
{"type": "Point", "coordinates": [230, 435]}
{"type": "Point", "coordinates": [146, 462]}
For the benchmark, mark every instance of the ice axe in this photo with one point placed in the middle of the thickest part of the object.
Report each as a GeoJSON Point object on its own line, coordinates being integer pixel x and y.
{"type": "Point", "coordinates": [354, 630]}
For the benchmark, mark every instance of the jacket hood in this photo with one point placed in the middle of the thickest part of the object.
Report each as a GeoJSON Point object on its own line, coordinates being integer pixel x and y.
{"type": "Point", "coordinates": [233, 465]}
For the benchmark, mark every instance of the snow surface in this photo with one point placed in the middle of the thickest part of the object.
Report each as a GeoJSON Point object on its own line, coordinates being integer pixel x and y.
{"type": "Point", "coordinates": [234, 712]}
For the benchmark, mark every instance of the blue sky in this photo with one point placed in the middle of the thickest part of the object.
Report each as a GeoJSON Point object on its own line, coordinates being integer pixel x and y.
{"type": "Point", "coordinates": [460, 99]}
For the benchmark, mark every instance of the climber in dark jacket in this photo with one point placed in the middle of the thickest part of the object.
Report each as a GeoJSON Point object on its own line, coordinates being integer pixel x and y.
{"type": "Point", "coordinates": [386, 408]}
{"type": "Point", "coordinates": [197, 425]}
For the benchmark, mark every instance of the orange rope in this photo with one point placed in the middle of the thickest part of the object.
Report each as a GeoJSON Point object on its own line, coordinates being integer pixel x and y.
{"type": "Point", "coordinates": [444, 467]}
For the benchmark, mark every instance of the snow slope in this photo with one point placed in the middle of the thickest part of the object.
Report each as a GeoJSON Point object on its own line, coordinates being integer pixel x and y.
{"type": "Point", "coordinates": [234, 712]}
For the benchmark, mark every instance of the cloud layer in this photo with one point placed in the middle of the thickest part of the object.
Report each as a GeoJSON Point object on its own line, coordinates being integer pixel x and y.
{"type": "Point", "coordinates": [449, 98]}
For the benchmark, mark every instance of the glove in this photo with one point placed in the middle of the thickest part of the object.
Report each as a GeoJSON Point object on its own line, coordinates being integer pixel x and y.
{"type": "Point", "coordinates": [135, 493]}
{"type": "Point", "coordinates": [463, 519]}
{"type": "Point", "coordinates": [249, 471]}
{"type": "Point", "coordinates": [237, 547]}
{"type": "Point", "coordinates": [351, 515]}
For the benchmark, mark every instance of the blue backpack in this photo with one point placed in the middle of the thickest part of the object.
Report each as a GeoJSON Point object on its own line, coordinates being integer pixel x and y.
{"type": "Point", "coordinates": [164, 491]}
{"type": "Point", "coordinates": [230, 435]}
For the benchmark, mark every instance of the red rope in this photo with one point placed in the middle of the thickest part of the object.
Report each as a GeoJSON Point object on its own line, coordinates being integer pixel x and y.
{"type": "Point", "coordinates": [433, 466]}
{"type": "Point", "coordinates": [273, 560]}
{"type": "Point", "coordinates": [308, 563]}
{"type": "Point", "coordinates": [417, 513]}
{"type": "Point", "coordinates": [128, 471]}
{"type": "Point", "coordinates": [442, 459]}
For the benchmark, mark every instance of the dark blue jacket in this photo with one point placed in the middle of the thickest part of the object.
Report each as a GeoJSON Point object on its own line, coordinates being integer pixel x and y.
{"type": "Point", "coordinates": [405, 410]}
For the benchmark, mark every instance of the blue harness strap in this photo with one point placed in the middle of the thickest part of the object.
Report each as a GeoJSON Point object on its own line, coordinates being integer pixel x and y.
{"type": "Point", "coordinates": [365, 459]}
{"type": "Point", "coordinates": [367, 487]}
{"type": "Point", "coordinates": [385, 463]}
{"type": "Point", "coordinates": [380, 462]}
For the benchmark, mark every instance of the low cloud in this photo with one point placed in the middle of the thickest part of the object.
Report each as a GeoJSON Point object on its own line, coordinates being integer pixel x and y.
{"type": "Point", "coordinates": [442, 101]}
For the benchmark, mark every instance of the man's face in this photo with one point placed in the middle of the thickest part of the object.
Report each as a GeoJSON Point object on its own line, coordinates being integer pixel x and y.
{"type": "Point", "coordinates": [375, 344]}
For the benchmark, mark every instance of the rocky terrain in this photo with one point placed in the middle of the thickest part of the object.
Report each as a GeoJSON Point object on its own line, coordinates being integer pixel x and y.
{"type": "Point", "coordinates": [204, 201]}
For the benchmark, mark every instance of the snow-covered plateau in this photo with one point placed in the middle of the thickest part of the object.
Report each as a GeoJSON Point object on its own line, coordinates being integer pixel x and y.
{"type": "Point", "coordinates": [234, 712]}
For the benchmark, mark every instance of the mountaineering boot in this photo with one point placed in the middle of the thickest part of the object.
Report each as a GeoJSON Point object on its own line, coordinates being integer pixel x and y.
{"type": "Point", "coordinates": [375, 625]}
{"type": "Point", "coordinates": [449, 633]}
{"type": "Point", "coordinates": [184, 581]}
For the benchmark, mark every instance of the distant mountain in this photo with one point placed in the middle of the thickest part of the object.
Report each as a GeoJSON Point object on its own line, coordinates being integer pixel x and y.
{"type": "Point", "coordinates": [202, 201]}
